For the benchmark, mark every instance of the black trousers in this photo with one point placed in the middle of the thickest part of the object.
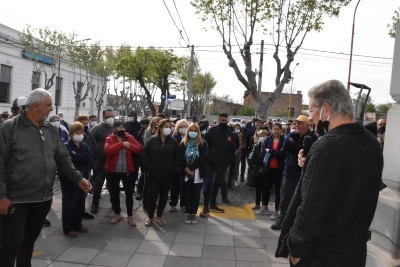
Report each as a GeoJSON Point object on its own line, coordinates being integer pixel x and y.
{"type": "Point", "coordinates": [274, 177]}
{"type": "Point", "coordinates": [157, 189]}
{"type": "Point", "coordinates": [19, 231]}
{"type": "Point", "coordinates": [113, 187]}
{"type": "Point", "coordinates": [177, 191]}
{"type": "Point", "coordinates": [192, 196]}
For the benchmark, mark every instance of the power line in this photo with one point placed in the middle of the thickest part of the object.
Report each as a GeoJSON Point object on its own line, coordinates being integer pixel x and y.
{"type": "Point", "coordinates": [181, 22]}
{"type": "Point", "coordinates": [180, 31]}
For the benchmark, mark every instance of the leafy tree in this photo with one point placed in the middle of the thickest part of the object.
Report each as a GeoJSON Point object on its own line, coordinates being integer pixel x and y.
{"type": "Point", "coordinates": [395, 20]}
{"type": "Point", "coordinates": [383, 108]}
{"type": "Point", "coordinates": [202, 83]}
{"type": "Point", "coordinates": [280, 113]}
{"type": "Point", "coordinates": [43, 42]}
{"type": "Point", "coordinates": [237, 21]}
{"type": "Point", "coordinates": [246, 111]}
{"type": "Point", "coordinates": [87, 58]}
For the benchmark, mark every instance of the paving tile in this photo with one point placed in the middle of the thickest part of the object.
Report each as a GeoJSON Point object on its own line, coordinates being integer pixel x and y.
{"type": "Point", "coordinates": [79, 255]}
{"type": "Point", "coordinates": [165, 236]}
{"type": "Point", "coordinates": [190, 238]}
{"type": "Point", "coordinates": [186, 250]}
{"type": "Point", "coordinates": [280, 265]}
{"type": "Point", "coordinates": [154, 247]}
{"type": "Point", "coordinates": [47, 251]}
{"type": "Point", "coordinates": [219, 221]}
{"type": "Point", "coordinates": [218, 252]}
{"type": "Point", "coordinates": [249, 241]}
{"type": "Point", "coordinates": [272, 258]}
{"type": "Point", "coordinates": [190, 228]}
{"type": "Point", "coordinates": [218, 240]}
{"type": "Point", "coordinates": [40, 263]}
{"type": "Point", "coordinates": [251, 254]}
{"type": "Point", "coordinates": [253, 264]}
{"type": "Point", "coordinates": [44, 234]}
{"type": "Point", "coordinates": [217, 263]}
{"type": "Point", "coordinates": [123, 244]}
{"type": "Point", "coordinates": [173, 261]}
{"type": "Point", "coordinates": [246, 231]}
{"type": "Point", "coordinates": [271, 243]}
{"type": "Point", "coordinates": [265, 223]}
{"type": "Point", "coordinates": [146, 260]}
{"type": "Point", "coordinates": [66, 264]}
{"type": "Point", "coordinates": [219, 229]}
{"type": "Point", "coordinates": [248, 223]}
{"type": "Point", "coordinates": [112, 258]}
{"type": "Point", "coordinates": [268, 232]}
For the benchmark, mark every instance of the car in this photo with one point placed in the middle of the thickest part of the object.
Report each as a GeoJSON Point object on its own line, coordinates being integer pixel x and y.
{"type": "Point", "coordinates": [235, 121]}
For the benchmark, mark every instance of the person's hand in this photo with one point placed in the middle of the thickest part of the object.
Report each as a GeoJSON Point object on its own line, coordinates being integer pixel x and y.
{"type": "Point", "coordinates": [4, 204]}
{"type": "Point", "coordinates": [291, 139]}
{"type": "Point", "coordinates": [301, 159]}
{"type": "Point", "coordinates": [294, 261]}
{"type": "Point", "coordinates": [267, 150]}
{"type": "Point", "coordinates": [85, 185]}
{"type": "Point", "coordinates": [127, 144]}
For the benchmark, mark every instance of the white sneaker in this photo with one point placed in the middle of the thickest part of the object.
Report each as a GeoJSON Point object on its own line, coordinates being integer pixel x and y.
{"type": "Point", "coordinates": [255, 207]}
{"type": "Point", "coordinates": [274, 215]}
{"type": "Point", "coordinates": [262, 211]}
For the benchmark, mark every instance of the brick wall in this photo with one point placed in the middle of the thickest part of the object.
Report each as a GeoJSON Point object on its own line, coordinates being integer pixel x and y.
{"type": "Point", "coordinates": [280, 103]}
{"type": "Point", "coordinates": [224, 106]}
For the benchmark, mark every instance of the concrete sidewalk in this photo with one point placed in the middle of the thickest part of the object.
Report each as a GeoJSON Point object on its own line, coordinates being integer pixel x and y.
{"type": "Point", "coordinates": [212, 242]}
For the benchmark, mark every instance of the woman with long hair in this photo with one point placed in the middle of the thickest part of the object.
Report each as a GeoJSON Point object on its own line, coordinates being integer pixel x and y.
{"type": "Point", "coordinates": [273, 146]}
{"type": "Point", "coordinates": [193, 152]}
{"type": "Point", "coordinates": [160, 160]}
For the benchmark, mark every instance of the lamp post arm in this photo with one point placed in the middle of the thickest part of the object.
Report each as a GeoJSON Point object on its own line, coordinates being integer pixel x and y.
{"type": "Point", "coordinates": [351, 46]}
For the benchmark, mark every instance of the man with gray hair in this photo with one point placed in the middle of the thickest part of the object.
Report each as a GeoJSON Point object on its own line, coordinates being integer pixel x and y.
{"type": "Point", "coordinates": [329, 216]}
{"type": "Point", "coordinates": [30, 153]}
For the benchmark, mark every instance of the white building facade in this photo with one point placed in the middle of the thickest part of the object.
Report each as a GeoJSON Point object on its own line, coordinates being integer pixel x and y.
{"type": "Point", "coordinates": [17, 78]}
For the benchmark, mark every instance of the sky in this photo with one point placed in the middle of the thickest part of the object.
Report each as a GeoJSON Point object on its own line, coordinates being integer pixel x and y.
{"type": "Point", "coordinates": [157, 23]}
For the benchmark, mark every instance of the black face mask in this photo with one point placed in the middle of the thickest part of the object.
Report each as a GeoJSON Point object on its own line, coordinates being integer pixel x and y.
{"type": "Point", "coordinates": [121, 133]}
{"type": "Point", "coordinates": [85, 128]}
{"type": "Point", "coordinates": [223, 125]}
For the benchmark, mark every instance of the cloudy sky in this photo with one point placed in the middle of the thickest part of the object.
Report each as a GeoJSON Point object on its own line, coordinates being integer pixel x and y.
{"type": "Point", "coordinates": [324, 56]}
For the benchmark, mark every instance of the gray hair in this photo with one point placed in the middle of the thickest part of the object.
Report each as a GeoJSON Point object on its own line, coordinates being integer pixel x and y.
{"type": "Point", "coordinates": [335, 94]}
{"type": "Point", "coordinates": [37, 95]}
{"type": "Point", "coordinates": [180, 123]}
{"type": "Point", "coordinates": [52, 117]}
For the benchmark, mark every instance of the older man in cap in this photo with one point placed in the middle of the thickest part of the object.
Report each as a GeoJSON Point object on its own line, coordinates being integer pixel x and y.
{"type": "Point", "coordinates": [292, 171]}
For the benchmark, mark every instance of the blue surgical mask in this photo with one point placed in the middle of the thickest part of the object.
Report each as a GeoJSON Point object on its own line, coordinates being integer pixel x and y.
{"type": "Point", "coordinates": [193, 135]}
{"type": "Point", "coordinates": [243, 125]}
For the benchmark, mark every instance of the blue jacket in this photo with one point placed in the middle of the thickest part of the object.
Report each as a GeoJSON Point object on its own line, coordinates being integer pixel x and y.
{"type": "Point", "coordinates": [278, 154]}
{"type": "Point", "coordinates": [292, 168]}
{"type": "Point", "coordinates": [81, 157]}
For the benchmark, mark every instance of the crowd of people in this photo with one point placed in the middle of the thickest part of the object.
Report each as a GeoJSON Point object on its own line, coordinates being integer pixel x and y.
{"type": "Point", "coordinates": [183, 158]}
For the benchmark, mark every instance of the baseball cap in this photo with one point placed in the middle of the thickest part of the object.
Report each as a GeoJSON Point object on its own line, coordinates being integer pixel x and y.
{"type": "Point", "coordinates": [304, 119]}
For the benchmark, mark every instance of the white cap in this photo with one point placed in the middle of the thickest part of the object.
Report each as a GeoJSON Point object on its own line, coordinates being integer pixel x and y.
{"type": "Point", "coordinates": [21, 101]}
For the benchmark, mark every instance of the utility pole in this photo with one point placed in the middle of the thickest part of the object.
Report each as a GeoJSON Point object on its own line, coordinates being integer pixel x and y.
{"type": "Point", "coordinates": [205, 98]}
{"type": "Point", "coordinates": [190, 84]}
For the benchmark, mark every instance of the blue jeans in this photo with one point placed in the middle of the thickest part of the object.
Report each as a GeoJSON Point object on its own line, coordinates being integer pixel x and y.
{"type": "Point", "coordinates": [100, 177]}
{"type": "Point", "coordinates": [19, 232]}
{"type": "Point", "coordinates": [73, 206]}
{"type": "Point", "coordinates": [140, 184]}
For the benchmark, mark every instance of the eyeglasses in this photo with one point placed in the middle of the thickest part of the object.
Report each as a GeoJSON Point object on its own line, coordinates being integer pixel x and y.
{"type": "Point", "coordinates": [41, 135]}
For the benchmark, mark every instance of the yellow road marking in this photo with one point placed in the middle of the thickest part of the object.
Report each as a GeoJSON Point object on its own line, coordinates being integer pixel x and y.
{"type": "Point", "coordinates": [232, 212]}
{"type": "Point", "coordinates": [37, 253]}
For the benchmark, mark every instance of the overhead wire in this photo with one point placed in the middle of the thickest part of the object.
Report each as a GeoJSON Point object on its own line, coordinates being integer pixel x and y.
{"type": "Point", "coordinates": [180, 31]}
{"type": "Point", "coordinates": [181, 22]}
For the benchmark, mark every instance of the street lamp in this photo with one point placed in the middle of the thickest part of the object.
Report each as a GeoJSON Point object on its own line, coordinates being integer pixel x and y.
{"type": "Point", "coordinates": [58, 84]}
{"type": "Point", "coordinates": [291, 86]}
{"type": "Point", "coordinates": [351, 46]}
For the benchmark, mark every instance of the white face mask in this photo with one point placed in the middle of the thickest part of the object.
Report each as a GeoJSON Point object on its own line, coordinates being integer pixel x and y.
{"type": "Point", "coordinates": [258, 132]}
{"type": "Point", "coordinates": [182, 131]}
{"type": "Point", "coordinates": [78, 138]}
{"type": "Point", "coordinates": [237, 131]}
{"type": "Point", "coordinates": [93, 123]}
{"type": "Point", "coordinates": [109, 121]}
{"type": "Point", "coordinates": [166, 131]}
{"type": "Point", "coordinates": [130, 118]}
{"type": "Point", "coordinates": [203, 132]}
{"type": "Point", "coordinates": [56, 124]}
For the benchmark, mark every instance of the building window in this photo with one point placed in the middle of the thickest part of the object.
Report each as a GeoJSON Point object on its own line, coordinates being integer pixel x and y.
{"type": "Point", "coordinates": [59, 86]}
{"type": "Point", "coordinates": [83, 104]}
{"type": "Point", "coordinates": [35, 80]}
{"type": "Point", "coordinates": [5, 80]}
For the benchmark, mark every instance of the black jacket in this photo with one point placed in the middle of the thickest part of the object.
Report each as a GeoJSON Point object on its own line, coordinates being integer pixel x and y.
{"type": "Point", "coordinates": [278, 154]}
{"type": "Point", "coordinates": [222, 147]}
{"type": "Point", "coordinates": [200, 163]}
{"type": "Point", "coordinates": [161, 160]}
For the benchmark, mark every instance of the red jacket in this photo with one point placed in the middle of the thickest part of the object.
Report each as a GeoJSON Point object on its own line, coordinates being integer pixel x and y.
{"type": "Point", "coordinates": [112, 148]}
